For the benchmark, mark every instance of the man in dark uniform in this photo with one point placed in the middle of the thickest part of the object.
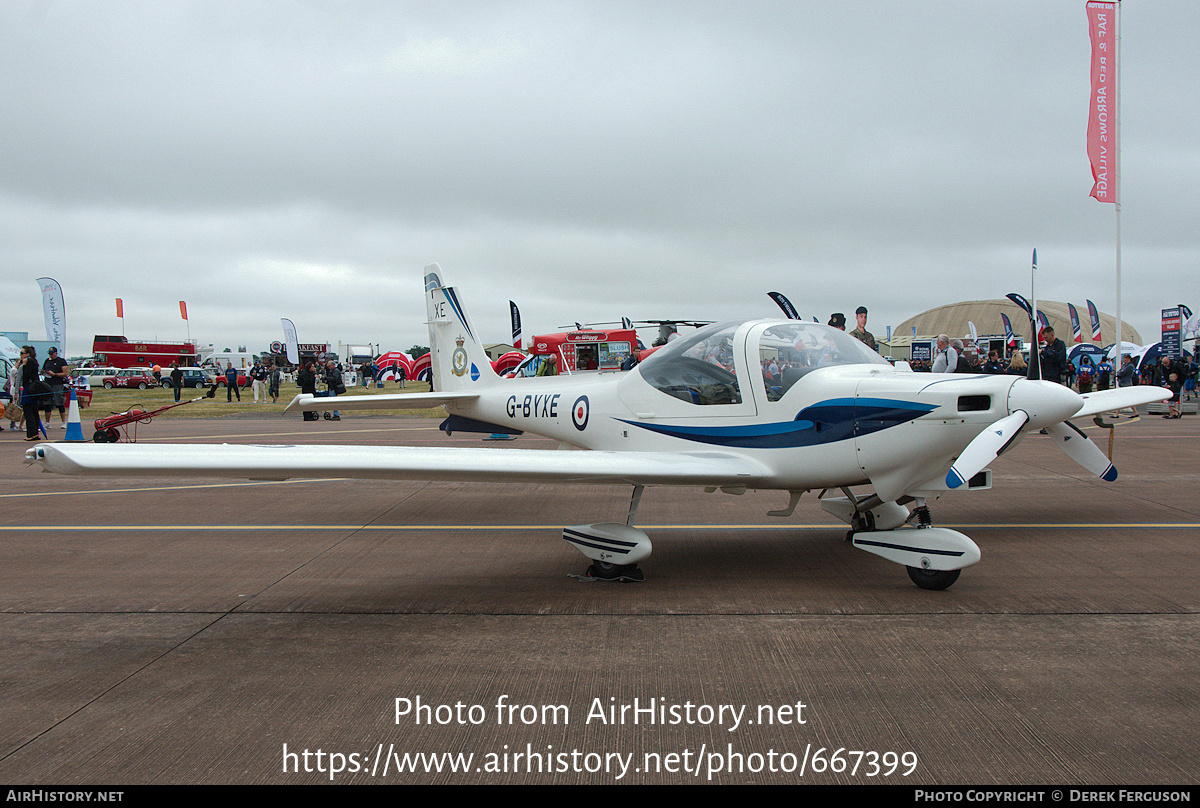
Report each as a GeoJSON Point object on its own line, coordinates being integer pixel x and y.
{"type": "Point", "coordinates": [860, 331]}
{"type": "Point", "coordinates": [1053, 357]}
{"type": "Point", "coordinates": [993, 365]}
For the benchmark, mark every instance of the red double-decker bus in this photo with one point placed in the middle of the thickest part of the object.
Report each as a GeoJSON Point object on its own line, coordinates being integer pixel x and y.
{"type": "Point", "coordinates": [119, 352]}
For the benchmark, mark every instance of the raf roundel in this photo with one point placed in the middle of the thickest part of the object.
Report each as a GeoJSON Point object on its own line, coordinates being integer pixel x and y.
{"type": "Point", "coordinates": [579, 413]}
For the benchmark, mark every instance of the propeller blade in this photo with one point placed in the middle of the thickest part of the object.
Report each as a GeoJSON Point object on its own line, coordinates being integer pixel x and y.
{"type": "Point", "coordinates": [1120, 398]}
{"type": "Point", "coordinates": [984, 448]}
{"type": "Point", "coordinates": [1079, 447]}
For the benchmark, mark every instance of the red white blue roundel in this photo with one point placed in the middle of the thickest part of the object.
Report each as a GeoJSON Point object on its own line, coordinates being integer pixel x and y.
{"type": "Point", "coordinates": [579, 413]}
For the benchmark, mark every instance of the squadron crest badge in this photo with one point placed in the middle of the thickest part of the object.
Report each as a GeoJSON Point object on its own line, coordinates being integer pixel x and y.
{"type": "Point", "coordinates": [458, 360]}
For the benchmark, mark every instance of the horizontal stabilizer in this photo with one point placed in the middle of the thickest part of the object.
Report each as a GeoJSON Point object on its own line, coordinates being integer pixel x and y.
{"type": "Point", "coordinates": [395, 401]}
{"type": "Point", "coordinates": [254, 462]}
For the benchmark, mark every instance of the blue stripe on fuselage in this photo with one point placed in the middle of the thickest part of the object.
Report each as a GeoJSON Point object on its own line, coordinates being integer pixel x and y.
{"type": "Point", "coordinates": [826, 422]}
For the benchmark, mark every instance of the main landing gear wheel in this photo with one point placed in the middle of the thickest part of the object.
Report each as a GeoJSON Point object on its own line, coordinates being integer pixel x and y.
{"type": "Point", "coordinates": [605, 571]}
{"type": "Point", "coordinates": [932, 579]}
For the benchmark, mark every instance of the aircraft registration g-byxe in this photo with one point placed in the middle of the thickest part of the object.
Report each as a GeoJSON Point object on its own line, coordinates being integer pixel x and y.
{"type": "Point", "coordinates": [698, 412]}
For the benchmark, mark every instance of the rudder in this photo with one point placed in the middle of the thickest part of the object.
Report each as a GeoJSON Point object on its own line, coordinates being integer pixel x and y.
{"type": "Point", "coordinates": [458, 359]}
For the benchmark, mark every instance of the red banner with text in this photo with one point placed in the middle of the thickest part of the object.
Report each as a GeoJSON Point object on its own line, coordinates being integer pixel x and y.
{"type": "Point", "coordinates": [1102, 106]}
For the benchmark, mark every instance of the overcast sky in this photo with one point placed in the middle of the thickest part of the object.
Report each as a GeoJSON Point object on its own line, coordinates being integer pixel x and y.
{"type": "Point", "coordinates": [589, 160]}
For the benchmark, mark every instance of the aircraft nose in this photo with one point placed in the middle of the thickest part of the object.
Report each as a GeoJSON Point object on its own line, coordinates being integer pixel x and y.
{"type": "Point", "coordinates": [1044, 402]}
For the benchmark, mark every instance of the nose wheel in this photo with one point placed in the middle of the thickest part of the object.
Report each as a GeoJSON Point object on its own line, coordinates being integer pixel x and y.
{"type": "Point", "coordinates": [604, 571]}
{"type": "Point", "coordinates": [932, 579]}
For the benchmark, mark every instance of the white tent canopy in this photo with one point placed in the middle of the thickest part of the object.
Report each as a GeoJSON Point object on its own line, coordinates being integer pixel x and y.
{"type": "Point", "coordinates": [9, 349]}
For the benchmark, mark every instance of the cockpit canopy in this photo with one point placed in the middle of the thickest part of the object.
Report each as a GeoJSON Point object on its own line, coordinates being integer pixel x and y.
{"type": "Point", "coordinates": [702, 368]}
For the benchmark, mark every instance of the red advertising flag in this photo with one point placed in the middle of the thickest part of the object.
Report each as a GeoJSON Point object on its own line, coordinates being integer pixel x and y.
{"type": "Point", "coordinates": [1102, 106]}
{"type": "Point", "coordinates": [120, 310]}
{"type": "Point", "coordinates": [183, 309]}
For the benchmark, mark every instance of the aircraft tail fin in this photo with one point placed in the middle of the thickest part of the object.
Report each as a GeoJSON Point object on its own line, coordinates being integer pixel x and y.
{"type": "Point", "coordinates": [459, 361]}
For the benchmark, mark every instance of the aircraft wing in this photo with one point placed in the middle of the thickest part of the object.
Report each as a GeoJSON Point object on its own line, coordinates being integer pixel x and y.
{"type": "Point", "coordinates": [1120, 398]}
{"type": "Point", "coordinates": [398, 463]}
{"type": "Point", "coordinates": [395, 401]}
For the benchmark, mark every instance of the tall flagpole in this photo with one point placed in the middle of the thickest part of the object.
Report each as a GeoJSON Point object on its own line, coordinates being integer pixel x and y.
{"type": "Point", "coordinates": [1117, 207]}
{"type": "Point", "coordinates": [1104, 121]}
{"type": "Point", "coordinates": [1033, 318]}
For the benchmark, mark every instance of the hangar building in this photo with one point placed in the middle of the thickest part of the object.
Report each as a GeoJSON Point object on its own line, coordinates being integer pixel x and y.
{"type": "Point", "coordinates": [985, 314]}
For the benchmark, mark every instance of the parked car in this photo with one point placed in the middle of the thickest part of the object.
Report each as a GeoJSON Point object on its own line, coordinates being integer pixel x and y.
{"type": "Point", "coordinates": [93, 376]}
{"type": "Point", "coordinates": [141, 378]}
{"type": "Point", "coordinates": [243, 379]}
{"type": "Point", "coordinates": [192, 377]}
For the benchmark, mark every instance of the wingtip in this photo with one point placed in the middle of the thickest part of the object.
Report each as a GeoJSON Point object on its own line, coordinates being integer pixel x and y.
{"type": "Point", "coordinates": [954, 479]}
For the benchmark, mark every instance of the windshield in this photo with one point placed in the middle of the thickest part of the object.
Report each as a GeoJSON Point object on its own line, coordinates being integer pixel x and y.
{"type": "Point", "coordinates": [698, 368]}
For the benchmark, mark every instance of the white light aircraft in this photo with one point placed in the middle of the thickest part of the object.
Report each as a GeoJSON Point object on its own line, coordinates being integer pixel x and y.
{"type": "Point", "coordinates": [701, 411]}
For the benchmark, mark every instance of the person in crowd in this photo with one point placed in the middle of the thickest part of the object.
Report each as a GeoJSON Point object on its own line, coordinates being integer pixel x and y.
{"type": "Point", "coordinates": [1085, 375]}
{"type": "Point", "coordinates": [1053, 357]}
{"type": "Point", "coordinates": [32, 388]}
{"type": "Point", "coordinates": [1017, 366]}
{"type": "Point", "coordinates": [334, 386]}
{"type": "Point", "coordinates": [993, 365]}
{"type": "Point", "coordinates": [1163, 370]}
{"type": "Point", "coordinates": [231, 383]}
{"type": "Point", "coordinates": [1145, 373]}
{"type": "Point", "coordinates": [946, 358]}
{"type": "Point", "coordinates": [964, 363]}
{"type": "Point", "coordinates": [306, 378]}
{"type": "Point", "coordinates": [258, 381]}
{"type": "Point", "coordinates": [1127, 375]}
{"type": "Point", "coordinates": [11, 397]}
{"type": "Point", "coordinates": [273, 377]}
{"type": "Point", "coordinates": [1104, 373]}
{"type": "Point", "coordinates": [1175, 385]}
{"type": "Point", "coordinates": [56, 374]}
{"type": "Point", "coordinates": [1168, 373]}
{"type": "Point", "coordinates": [176, 379]}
